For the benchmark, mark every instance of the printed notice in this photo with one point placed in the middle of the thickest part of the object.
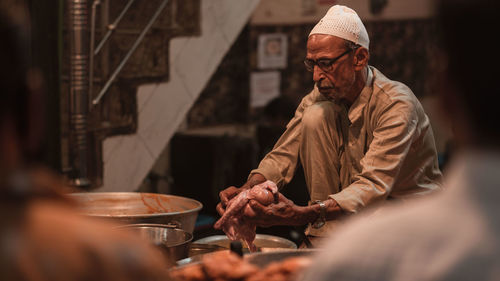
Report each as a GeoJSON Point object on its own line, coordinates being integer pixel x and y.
{"type": "Point", "coordinates": [264, 86]}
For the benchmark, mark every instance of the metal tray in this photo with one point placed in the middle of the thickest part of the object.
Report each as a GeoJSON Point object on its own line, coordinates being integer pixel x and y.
{"type": "Point", "coordinates": [264, 243]}
{"type": "Point", "coordinates": [260, 259]}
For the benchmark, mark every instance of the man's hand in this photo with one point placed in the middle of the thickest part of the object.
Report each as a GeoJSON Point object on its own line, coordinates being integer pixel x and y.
{"type": "Point", "coordinates": [283, 212]}
{"type": "Point", "coordinates": [230, 192]}
{"type": "Point", "coordinates": [226, 195]}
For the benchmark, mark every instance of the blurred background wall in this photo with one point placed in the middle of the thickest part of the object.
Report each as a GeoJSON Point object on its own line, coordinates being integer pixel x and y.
{"type": "Point", "coordinates": [182, 116]}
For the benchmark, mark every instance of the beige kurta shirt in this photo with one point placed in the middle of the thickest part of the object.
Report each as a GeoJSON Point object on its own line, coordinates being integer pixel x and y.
{"type": "Point", "coordinates": [387, 150]}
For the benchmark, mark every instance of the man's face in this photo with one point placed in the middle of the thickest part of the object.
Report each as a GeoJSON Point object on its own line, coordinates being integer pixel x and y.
{"type": "Point", "coordinates": [334, 80]}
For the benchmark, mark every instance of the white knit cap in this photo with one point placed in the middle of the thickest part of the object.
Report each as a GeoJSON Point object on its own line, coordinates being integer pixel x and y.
{"type": "Point", "coordinates": [343, 22]}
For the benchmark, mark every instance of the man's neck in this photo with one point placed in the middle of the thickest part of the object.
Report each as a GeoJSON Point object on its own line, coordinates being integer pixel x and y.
{"type": "Point", "coordinates": [358, 86]}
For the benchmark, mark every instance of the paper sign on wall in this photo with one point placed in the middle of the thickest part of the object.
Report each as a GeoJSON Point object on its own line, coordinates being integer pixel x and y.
{"type": "Point", "coordinates": [264, 86]}
{"type": "Point", "coordinates": [272, 51]}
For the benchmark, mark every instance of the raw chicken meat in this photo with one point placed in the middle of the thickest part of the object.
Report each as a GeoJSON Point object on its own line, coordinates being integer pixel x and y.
{"type": "Point", "coordinates": [233, 221]}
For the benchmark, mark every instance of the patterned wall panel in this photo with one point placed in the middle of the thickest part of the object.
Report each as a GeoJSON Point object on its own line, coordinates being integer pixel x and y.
{"type": "Point", "coordinates": [401, 49]}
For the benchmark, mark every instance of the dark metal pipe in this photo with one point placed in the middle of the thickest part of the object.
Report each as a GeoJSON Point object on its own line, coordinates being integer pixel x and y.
{"type": "Point", "coordinates": [79, 57]}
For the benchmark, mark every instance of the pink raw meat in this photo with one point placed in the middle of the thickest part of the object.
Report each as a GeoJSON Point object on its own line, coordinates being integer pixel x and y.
{"type": "Point", "coordinates": [233, 222]}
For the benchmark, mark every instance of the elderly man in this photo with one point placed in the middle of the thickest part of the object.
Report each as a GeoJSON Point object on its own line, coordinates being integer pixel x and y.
{"type": "Point", "coordinates": [361, 137]}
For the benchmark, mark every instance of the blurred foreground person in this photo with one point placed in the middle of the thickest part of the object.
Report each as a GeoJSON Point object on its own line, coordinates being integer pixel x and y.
{"type": "Point", "coordinates": [455, 235]}
{"type": "Point", "coordinates": [41, 235]}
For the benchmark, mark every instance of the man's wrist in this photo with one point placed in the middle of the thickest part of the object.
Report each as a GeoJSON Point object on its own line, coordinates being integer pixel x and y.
{"type": "Point", "coordinates": [330, 208]}
{"type": "Point", "coordinates": [333, 209]}
{"type": "Point", "coordinates": [306, 214]}
{"type": "Point", "coordinates": [321, 218]}
{"type": "Point", "coordinates": [303, 215]}
{"type": "Point", "coordinates": [254, 179]}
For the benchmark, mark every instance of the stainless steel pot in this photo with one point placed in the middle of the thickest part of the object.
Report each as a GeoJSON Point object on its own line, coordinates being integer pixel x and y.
{"type": "Point", "coordinates": [137, 207]}
{"type": "Point", "coordinates": [172, 242]}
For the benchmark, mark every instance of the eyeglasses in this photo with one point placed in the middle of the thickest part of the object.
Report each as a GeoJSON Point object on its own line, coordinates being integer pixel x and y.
{"type": "Point", "coordinates": [324, 64]}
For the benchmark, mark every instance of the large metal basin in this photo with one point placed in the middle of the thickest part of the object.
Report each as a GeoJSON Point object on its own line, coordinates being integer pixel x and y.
{"type": "Point", "coordinates": [172, 242]}
{"type": "Point", "coordinates": [139, 207]}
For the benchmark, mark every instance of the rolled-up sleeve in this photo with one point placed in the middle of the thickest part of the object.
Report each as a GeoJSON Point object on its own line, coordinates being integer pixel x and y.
{"type": "Point", "coordinates": [393, 132]}
{"type": "Point", "coordinates": [279, 165]}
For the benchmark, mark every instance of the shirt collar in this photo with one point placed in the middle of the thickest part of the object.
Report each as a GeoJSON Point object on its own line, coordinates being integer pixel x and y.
{"type": "Point", "coordinates": [356, 109]}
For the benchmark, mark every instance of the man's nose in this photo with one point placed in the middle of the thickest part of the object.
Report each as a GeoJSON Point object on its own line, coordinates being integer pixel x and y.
{"type": "Point", "coordinates": [318, 74]}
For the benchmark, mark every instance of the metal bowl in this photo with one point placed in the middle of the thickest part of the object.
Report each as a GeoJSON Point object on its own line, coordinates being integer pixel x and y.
{"type": "Point", "coordinates": [172, 242]}
{"type": "Point", "coordinates": [263, 259]}
{"type": "Point", "coordinates": [138, 207]}
{"type": "Point", "coordinates": [263, 242]}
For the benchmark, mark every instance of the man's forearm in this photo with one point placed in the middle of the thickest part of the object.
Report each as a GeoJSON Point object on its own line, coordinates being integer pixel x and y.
{"type": "Point", "coordinates": [333, 210]}
{"type": "Point", "coordinates": [254, 179]}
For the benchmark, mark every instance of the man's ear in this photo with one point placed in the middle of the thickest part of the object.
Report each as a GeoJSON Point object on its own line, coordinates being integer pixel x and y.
{"type": "Point", "coordinates": [361, 57]}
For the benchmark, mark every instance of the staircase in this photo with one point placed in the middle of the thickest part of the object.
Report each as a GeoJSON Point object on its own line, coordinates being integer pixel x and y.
{"type": "Point", "coordinates": [162, 106]}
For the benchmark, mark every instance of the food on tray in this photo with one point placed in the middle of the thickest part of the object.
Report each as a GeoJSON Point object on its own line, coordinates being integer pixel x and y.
{"type": "Point", "coordinates": [281, 271]}
{"type": "Point", "coordinates": [226, 266]}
